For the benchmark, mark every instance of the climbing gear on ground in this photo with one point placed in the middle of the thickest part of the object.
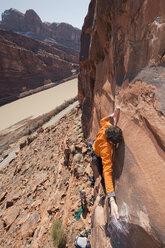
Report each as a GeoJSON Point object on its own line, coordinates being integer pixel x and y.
{"type": "Point", "coordinates": [78, 213]}
{"type": "Point", "coordinates": [82, 242]}
{"type": "Point", "coordinates": [85, 233]}
{"type": "Point", "coordinates": [83, 198]}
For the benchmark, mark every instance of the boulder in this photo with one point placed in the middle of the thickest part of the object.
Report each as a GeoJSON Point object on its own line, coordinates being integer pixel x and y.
{"type": "Point", "coordinates": [30, 225]}
{"type": "Point", "coordinates": [10, 215]}
{"type": "Point", "coordinates": [77, 157]}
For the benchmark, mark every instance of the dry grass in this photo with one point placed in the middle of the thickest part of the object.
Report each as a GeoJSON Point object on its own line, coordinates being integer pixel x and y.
{"type": "Point", "coordinates": [58, 234]}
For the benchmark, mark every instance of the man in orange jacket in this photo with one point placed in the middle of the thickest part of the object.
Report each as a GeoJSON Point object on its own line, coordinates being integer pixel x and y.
{"type": "Point", "coordinates": [108, 136]}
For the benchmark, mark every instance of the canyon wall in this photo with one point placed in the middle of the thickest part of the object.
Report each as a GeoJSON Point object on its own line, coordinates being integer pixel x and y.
{"type": "Point", "coordinates": [33, 53]}
{"type": "Point", "coordinates": [31, 25]}
{"type": "Point", "coordinates": [66, 34]}
{"type": "Point", "coordinates": [122, 58]}
{"type": "Point", "coordinates": [26, 63]}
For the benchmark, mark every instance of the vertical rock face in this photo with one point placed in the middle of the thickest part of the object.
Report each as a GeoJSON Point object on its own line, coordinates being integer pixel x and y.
{"type": "Point", "coordinates": [66, 34]}
{"type": "Point", "coordinates": [33, 23]}
{"type": "Point", "coordinates": [119, 38]}
{"type": "Point", "coordinates": [122, 63]}
{"type": "Point", "coordinates": [29, 22]}
{"type": "Point", "coordinates": [13, 19]}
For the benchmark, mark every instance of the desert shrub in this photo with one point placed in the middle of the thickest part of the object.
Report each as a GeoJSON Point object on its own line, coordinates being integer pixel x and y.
{"type": "Point", "coordinates": [58, 234]}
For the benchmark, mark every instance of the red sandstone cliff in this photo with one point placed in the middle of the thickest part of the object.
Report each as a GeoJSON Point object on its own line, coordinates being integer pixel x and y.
{"type": "Point", "coordinates": [38, 54]}
{"type": "Point", "coordinates": [66, 34]}
{"type": "Point", "coordinates": [31, 25]}
{"type": "Point", "coordinates": [26, 63]}
{"type": "Point", "coordinates": [122, 63]}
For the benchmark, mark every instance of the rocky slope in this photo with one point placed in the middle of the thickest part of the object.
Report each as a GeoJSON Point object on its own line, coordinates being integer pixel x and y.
{"type": "Point", "coordinates": [42, 184]}
{"type": "Point", "coordinates": [122, 63]}
{"type": "Point", "coordinates": [26, 63]}
{"type": "Point", "coordinates": [31, 25]}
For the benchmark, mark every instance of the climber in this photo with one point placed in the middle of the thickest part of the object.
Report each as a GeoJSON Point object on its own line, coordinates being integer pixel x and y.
{"type": "Point", "coordinates": [107, 138]}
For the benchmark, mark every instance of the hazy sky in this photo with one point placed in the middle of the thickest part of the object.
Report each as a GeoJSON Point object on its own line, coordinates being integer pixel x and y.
{"type": "Point", "coordinates": [70, 11]}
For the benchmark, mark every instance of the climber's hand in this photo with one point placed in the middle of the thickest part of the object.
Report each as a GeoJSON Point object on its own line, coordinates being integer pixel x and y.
{"type": "Point", "coordinates": [116, 111]}
{"type": "Point", "coordinates": [114, 209]}
{"type": "Point", "coordinates": [116, 115]}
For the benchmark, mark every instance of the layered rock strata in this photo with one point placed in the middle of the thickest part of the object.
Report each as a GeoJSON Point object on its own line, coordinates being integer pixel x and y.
{"type": "Point", "coordinates": [122, 63]}
{"type": "Point", "coordinates": [31, 25]}
{"type": "Point", "coordinates": [27, 63]}
{"type": "Point", "coordinates": [66, 34]}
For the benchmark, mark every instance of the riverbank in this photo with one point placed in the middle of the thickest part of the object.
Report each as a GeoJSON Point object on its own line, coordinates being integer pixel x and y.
{"type": "Point", "coordinates": [37, 104]}
{"type": "Point", "coordinates": [10, 136]}
{"type": "Point", "coordinates": [15, 97]}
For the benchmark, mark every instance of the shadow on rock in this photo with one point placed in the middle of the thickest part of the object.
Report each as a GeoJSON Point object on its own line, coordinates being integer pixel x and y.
{"type": "Point", "coordinates": [118, 160]}
{"type": "Point", "coordinates": [127, 235]}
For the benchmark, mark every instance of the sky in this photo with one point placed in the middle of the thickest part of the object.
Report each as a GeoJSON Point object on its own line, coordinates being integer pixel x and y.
{"type": "Point", "coordinates": [69, 11]}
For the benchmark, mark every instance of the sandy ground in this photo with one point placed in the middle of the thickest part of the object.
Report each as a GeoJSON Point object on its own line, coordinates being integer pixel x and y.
{"type": "Point", "coordinates": [37, 104]}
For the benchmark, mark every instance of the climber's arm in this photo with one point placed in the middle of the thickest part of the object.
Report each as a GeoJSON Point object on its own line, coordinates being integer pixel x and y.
{"type": "Point", "coordinates": [106, 157]}
{"type": "Point", "coordinates": [104, 120]}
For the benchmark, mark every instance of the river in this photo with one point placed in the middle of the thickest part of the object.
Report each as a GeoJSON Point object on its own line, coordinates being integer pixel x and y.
{"type": "Point", "coordinates": [37, 104]}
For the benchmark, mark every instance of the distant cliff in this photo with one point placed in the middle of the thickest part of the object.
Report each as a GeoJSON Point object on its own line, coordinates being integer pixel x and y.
{"type": "Point", "coordinates": [33, 53]}
{"type": "Point", "coordinates": [66, 34]}
{"type": "Point", "coordinates": [31, 25]}
{"type": "Point", "coordinates": [26, 63]}
{"type": "Point", "coordinates": [122, 59]}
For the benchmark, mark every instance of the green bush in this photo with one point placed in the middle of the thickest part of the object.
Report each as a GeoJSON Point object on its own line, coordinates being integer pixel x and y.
{"type": "Point", "coordinates": [58, 234]}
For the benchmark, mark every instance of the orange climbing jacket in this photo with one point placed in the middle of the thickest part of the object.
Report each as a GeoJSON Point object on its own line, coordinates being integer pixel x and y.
{"type": "Point", "coordinates": [104, 150]}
